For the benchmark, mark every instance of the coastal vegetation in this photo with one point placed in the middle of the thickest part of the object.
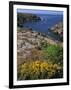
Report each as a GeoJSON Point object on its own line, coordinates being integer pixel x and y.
{"type": "Point", "coordinates": [39, 55]}
{"type": "Point", "coordinates": [39, 70]}
{"type": "Point", "coordinates": [37, 58]}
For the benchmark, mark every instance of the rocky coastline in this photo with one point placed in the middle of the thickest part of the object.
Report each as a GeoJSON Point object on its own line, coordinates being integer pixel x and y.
{"type": "Point", "coordinates": [28, 40]}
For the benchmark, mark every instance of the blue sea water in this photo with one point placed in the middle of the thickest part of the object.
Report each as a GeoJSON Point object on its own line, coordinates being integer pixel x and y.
{"type": "Point", "coordinates": [46, 22]}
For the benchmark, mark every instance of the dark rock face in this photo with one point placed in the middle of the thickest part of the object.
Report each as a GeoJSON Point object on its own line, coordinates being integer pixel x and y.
{"type": "Point", "coordinates": [22, 18]}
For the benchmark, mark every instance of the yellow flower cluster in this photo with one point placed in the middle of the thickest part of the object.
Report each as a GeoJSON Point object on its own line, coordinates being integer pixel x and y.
{"type": "Point", "coordinates": [38, 70]}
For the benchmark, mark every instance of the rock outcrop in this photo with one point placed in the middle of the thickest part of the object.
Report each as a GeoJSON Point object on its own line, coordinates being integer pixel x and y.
{"type": "Point", "coordinates": [56, 32]}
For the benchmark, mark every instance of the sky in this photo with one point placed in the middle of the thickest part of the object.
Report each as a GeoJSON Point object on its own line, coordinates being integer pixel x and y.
{"type": "Point", "coordinates": [39, 11]}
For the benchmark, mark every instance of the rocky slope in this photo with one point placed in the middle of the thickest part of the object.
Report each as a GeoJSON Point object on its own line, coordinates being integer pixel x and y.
{"type": "Point", "coordinates": [27, 40]}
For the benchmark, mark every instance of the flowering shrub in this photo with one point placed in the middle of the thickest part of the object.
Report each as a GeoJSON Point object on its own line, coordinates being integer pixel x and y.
{"type": "Point", "coordinates": [39, 70]}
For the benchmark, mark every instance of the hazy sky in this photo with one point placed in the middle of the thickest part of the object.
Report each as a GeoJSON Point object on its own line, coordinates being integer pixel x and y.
{"type": "Point", "coordinates": [39, 11]}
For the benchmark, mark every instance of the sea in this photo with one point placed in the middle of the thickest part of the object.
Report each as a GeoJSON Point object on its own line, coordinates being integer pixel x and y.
{"type": "Point", "coordinates": [46, 22]}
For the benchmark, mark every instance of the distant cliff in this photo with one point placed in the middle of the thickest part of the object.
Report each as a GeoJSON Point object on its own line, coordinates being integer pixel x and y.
{"type": "Point", "coordinates": [22, 18]}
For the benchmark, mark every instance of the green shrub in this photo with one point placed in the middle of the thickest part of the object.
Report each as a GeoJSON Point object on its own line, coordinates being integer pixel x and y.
{"type": "Point", "coordinates": [55, 53]}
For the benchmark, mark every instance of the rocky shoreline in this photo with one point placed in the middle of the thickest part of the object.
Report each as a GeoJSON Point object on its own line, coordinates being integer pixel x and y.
{"type": "Point", "coordinates": [56, 32]}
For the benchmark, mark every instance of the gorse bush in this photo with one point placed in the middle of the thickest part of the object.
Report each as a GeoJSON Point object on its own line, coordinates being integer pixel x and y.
{"type": "Point", "coordinates": [39, 70]}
